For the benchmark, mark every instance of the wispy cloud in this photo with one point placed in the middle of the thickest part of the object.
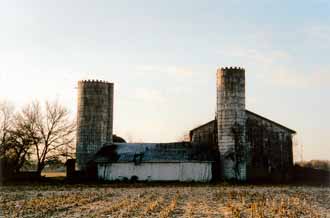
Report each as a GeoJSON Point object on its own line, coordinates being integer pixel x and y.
{"type": "Point", "coordinates": [272, 67]}
{"type": "Point", "coordinates": [258, 56]}
{"type": "Point", "coordinates": [292, 78]}
{"type": "Point", "coordinates": [318, 34]}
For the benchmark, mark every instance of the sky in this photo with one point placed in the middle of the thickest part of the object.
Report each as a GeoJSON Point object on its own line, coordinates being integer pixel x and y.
{"type": "Point", "coordinates": [163, 56]}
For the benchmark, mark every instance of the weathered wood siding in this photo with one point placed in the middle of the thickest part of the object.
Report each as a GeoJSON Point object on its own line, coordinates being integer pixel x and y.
{"type": "Point", "coordinates": [270, 146]}
{"type": "Point", "coordinates": [205, 135]}
{"type": "Point", "coordinates": [186, 171]}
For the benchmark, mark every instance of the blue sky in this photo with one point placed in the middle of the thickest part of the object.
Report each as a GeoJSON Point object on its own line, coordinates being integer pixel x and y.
{"type": "Point", "coordinates": [163, 55]}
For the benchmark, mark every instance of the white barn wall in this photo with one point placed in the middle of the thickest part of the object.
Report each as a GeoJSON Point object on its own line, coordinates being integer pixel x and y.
{"type": "Point", "coordinates": [185, 171]}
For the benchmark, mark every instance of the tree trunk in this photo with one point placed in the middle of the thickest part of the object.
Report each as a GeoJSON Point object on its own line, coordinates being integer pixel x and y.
{"type": "Point", "coordinates": [40, 167]}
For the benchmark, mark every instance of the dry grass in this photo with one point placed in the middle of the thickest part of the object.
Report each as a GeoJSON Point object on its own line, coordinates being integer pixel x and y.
{"type": "Point", "coordinates": [164, 201]}
{"type": "Point", "coordinates": [53, 174]}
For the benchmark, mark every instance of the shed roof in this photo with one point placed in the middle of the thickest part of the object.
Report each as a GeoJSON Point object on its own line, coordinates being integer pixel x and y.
{"type": "Point", "coordinates": [154, 152]}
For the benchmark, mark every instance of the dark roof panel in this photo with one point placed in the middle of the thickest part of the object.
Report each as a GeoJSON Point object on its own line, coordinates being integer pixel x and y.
{"type": "Point", "coordinates": [154, 152]}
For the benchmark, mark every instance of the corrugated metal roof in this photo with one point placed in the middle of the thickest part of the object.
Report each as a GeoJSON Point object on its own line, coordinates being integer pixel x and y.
{"type": "Point", "coordinates": [154, 152]}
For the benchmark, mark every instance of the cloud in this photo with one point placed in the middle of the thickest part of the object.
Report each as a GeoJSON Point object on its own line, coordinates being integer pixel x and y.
{"type": "Point", "coordinates": [257, 56]}
{"type": "Point", "coordinates": [292, 78]}
{"type": "Point", "coordinates": [318, 34]}
{"type": "Point", "coordinates": [270, 66]}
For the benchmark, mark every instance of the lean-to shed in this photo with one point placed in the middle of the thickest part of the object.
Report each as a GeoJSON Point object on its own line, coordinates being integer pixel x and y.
{"type": "Point", "coordinates": [154, 162]}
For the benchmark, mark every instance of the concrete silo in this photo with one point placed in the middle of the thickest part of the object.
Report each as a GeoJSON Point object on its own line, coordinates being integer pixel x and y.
{"type": "Point", "coordinates": [94, 119]}
{"type": "Point", "coordinates": [231, 119]}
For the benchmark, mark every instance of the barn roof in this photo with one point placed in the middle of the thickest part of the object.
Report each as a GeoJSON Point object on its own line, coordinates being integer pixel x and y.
{"type": "Point", "coordinates": [205, 124]}
{"type": "Point", "coordinates": [212, 122]}
{"type": "Point", "coordinates": [154, 152]}
{"type": "Point", "coordinates": [271, 121]}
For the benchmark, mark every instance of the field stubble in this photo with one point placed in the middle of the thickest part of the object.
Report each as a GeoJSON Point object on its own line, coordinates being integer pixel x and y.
{"type": "Point", "coordinates": [164, 201]}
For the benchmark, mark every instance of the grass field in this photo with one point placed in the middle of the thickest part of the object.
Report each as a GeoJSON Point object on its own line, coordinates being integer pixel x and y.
{"type": "Point", "coordinates": [53, 174]}
{"type": "Point", "coordinates": [182, 200]}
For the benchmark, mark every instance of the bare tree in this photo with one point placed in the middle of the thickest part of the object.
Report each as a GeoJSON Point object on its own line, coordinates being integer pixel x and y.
{"type": "Point", "coordinates": [46, 133]}
{"type": "Point", "coordinates": [56, 131]}
{"type": "Point", "coordinates": [5, 121]}
{"type": "Point", "coordinates": [6, 114]}
{"type": "Point", "coordinates": [18, 148]}
{"type": "Point", "coordinates": [24, 134]}
{"type": "Point", "coordinates": [15, 143]}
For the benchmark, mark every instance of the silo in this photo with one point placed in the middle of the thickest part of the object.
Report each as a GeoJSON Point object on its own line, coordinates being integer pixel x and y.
{"type": "Point", "coordinates": [94, 119]}
{"type": "Point", "coordinates": [231, 119]}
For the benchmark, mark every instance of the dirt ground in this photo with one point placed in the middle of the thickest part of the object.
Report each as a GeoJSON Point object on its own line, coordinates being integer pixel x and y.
{"type": "Point", "coordinates": [190, 200]}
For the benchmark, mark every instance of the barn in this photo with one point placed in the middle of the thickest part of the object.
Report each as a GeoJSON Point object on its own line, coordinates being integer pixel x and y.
{"type": "Point", "coordinates": [269, 146]}
{"type": "Point", "coordinates": [237, 145]}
